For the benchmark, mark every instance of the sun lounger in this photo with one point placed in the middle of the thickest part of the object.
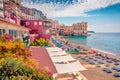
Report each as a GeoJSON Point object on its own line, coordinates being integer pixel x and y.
{"type": "Point", "coordinates": [83, 58]}
{"type": "Point", "coordinates": [92, 62]}
{"type": "Point", "coordinates": [116, 63]}
{"type": "Point", "coordinates": [107, 70]}
{"type": "Point", "coordinates": [116, 74]}
{"type": "Point", "coordinates": [95, 59]}
{"type": "Point", "coordinates": [98, 65]}
{"type": "Point", "coordinates": [107, 65]}
{"type": "Point", "coordinates": [109, 60]}
{"type": "Point", "coordinates": [114, 67]}
{"type": "Point", "coordinates": [101, 62]}
{"type": "Point", "coordinates": [118, 69]}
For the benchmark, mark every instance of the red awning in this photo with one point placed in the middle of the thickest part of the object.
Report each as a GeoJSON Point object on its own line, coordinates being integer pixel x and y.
{"type": "Point", "coordinates": [43, 58]}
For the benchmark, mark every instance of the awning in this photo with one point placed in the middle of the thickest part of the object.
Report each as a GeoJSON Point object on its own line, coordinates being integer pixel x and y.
{"type": "Point", "coordinates": [60, 53]}
{"type": "Point", "coordinates": [53, 49]}
{"type": "Point", "coordinates": [70, 67]}
{"type": "Point", "coordinates": [62, 58]}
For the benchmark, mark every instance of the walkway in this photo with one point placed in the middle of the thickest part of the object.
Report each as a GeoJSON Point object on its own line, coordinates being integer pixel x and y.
{"type": "Point", "coordinates": [43, 58]}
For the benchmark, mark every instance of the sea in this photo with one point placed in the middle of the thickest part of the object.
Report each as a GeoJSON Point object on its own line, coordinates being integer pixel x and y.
{"type": "Point", "coordinates": [107, 42]}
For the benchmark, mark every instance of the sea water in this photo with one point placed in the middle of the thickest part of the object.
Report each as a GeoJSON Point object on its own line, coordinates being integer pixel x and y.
{"type": "Point", "coordinates": [109, 42]}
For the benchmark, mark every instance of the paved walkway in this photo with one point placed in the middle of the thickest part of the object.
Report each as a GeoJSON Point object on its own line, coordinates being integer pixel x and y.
{"type": "Point", "coordinates": [43, 58]}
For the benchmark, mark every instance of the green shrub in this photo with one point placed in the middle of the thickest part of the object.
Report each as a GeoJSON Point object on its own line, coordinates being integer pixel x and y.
{"type": "Point", "coordinates": [14, 69]}
{"type": "Point", "coordinates": [40, 42]}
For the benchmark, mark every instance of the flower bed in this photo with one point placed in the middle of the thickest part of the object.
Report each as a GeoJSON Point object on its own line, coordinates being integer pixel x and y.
{"type": "Point", "coordinates": [40, 42]}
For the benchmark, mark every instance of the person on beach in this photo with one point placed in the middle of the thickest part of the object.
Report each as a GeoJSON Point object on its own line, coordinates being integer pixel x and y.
{"type": "Point", "coordinates": [26, 39]}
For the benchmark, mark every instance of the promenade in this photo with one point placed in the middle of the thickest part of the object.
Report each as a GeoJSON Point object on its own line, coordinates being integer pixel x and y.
{"type": "Point", "coordinates": [43, 58]}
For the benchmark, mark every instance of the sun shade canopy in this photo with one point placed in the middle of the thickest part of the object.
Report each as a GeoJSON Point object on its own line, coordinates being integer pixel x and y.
{"type": "Point", "coordinates": [70, 67]}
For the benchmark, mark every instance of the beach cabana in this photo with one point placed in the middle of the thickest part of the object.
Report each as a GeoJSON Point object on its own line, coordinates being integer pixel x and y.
{"type": "Point", "coordinates": [62, 58]}
{"type": "Point", "coordinates": [70, 67]}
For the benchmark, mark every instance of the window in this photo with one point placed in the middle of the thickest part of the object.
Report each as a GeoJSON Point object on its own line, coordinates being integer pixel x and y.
{"type": "Point", "coordinates": [40, 23]}
{"type": "Point", "coordinates": [10, 32]}
{"type": "Point", "coordinates": [0, 32]}
{"type": "Point", "coordinates": [27, 23]}
{"type": "Point", "coordinates": [35, 23]}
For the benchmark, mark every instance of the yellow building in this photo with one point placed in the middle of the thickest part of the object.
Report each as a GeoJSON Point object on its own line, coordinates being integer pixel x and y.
{"type": "Point", "coordinates": [77, 29]}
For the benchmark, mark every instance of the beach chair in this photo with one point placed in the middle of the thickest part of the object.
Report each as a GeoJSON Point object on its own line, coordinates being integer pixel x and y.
{"type": "Point", "coordinates": [87, 60]}
{"type": "Point", "coordinates": [114, 67]}
{"type": "Point", "coordinates": [109, 60]}
{"type": "Point", "coordinates": [92, 62]}
{"type": "Point", "coordinates": [116, 63]}
{"type": "Point", "coordinates": [104, 69]}
{"type": "Point", "coordinates": [116, 74]}
{"type": "Point", "coordinates": [98, 65]}
{"type": "Point", "coordinates": [107, 65]}
{"type": "Point", "coordinates": [83, 58]}
{"type": "Point", "coordinates": [107, 70]}
{"type": "Point", "coordinates": [118, 69]}
{"type": "Point", "coordinates": [101, 62]}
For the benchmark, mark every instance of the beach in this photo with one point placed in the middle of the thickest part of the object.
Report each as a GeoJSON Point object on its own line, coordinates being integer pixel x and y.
{"type": "Point", "coordinates": [93, 72]}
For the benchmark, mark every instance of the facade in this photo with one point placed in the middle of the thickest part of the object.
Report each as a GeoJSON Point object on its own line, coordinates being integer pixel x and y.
{"type": "Point", "coordinates": [31, 14]}
{"type": "Point", "coordinates": [12, 11]}
{"type": "Point", "coordinates": [37, 27]}
{"type": "Point", "coordinates": [10, 22]}
{"type": "Point", "coordinates": [77, 29]}
{"type": "Point", "coordinates": [10, 28]}
{"type": "Point", "coordinates": [27, 13]}
{"type": "Point", "coordinates": [80, 28]}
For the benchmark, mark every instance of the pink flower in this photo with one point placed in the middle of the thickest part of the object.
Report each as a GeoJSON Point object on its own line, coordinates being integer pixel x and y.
{"type": "Point", "coordinates": [17, 55]}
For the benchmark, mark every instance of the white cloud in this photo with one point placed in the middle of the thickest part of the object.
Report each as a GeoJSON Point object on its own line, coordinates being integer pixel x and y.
{"type": "Point", "coordinates": [77, 9]}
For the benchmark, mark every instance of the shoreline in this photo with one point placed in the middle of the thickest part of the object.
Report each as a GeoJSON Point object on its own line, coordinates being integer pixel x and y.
{"type": "Point", "coordinates": [93, 70]}
{"type": "Point", "coordinates": [74, 44]}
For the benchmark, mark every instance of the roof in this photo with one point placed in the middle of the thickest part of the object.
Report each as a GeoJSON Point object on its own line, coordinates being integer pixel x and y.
{"type": "Point", "coordinates": [62, 58]}
{"type": "Point", "coordinates": [70, 67]}
{"type": "Point", "coordinates": [43, 58]}
{"type": "Point", "coordinates": [17, 26]}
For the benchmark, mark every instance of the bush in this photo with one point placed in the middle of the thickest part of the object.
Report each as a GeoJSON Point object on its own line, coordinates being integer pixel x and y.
{"type": "Point", "coordinates": [13, 69]}
{"type": "Point", "coordinates": [40, 42]}
{"type": "Point", "coordinates": [15, 63]}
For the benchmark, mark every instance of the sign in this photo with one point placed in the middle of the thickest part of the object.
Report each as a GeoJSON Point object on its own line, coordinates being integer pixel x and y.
{"type": "Point", "coordinates": [1, 8]}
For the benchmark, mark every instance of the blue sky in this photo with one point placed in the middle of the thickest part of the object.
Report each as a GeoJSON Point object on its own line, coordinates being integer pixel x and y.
{"type": "Point", "coordinates": [101, 15]}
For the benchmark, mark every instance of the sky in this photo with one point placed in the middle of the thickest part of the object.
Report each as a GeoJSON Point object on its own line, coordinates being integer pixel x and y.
{"type": "Point", "coordinates": [101, 15]}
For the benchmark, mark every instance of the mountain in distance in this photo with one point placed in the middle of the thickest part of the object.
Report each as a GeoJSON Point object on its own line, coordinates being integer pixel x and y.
{"type": "Point", "coordinates": [91, 31]}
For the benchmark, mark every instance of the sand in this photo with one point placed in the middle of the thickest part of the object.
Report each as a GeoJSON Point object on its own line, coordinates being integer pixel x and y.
{"type": "Point", "coordinates": [96, 73]}
{"type": "Point", "coordinates": [92, 72]}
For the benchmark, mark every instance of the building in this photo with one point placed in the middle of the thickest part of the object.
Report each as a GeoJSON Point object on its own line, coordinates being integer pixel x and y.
{"type": "Point", "coordinates": [77, 29]}
{"type": "Point", "coordinates": [37, 27]}
{"type": "Point", "coordinates": [27, 13]}
{"type": "Point", "coordinates": [10, 19]}
{"type": "Point", "coordinates": [10, 28]}
{"type": "Point", "coordinates": [12, 11]}
{"type": "Point", "coordinates": [31, 14]}
{"type": "Point", "coordinates": [80, 28]}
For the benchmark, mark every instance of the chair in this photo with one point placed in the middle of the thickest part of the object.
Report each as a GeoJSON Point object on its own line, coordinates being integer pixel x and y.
{"type": "Point", "coordinates": [98, 65]}
{"type": "Point", "coordinates": [116, 74]}
{"type": "Point", "coordinates": [116, 63]}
